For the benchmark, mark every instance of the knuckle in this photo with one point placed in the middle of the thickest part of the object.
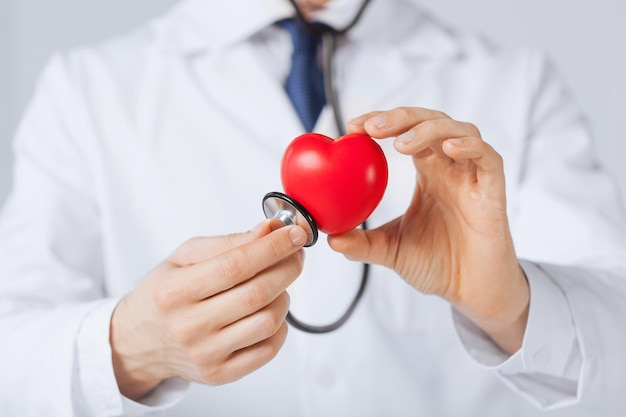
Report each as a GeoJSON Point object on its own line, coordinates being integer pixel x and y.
{"type": "Point", "coordinates": [441, 115]}
{"type": "Point", "coordinates": [256, 296]}
{"type": "Point", "coordinates": [269, 323]}
{"type": "Point", "coordinates": [499, 160]}
{"type": "Point", "coordinates": [495, 159]}
{"type": "Point", "coordinates": [192, 242]}
{"type": "Point", "coordinates": [212, 375]}
{"type": "Point", "coordinates": [166, 297]}
{"type": "Point", "coordinates": [198, 358]}
{"type": "Point", "coordinates": [286, 299]}
{"type": "Point", "coordinates": [472, 129]}
{"type": "Point", "coordinates": [404, 112]}
{"type": "Point", "coordinates": [268, 351]}
{"type": "Point", "coordinates": [204, 356]}
{"type": "Point", "coordinates": [181, 335]}
{"type": "Point", "coordinates": [230, 267]}
{"type": "Point", "coordinates": [186, 247]}
{"type": "Point", "coordinates": [272, 346]}
{"type": "Point", "coordinates": [430, 127]}
{"type": "Point", "coordinates": [232, 240]}
{"type": "Point", "coordinates": [437, 125]}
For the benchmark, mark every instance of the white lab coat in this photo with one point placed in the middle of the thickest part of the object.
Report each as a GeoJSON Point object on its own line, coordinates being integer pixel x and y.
{"type": "Point", "coordinates": [177, 129]}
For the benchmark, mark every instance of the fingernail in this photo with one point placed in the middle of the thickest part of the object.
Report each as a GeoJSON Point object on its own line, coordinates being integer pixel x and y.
{"type": "Point", "coordinates": [407, 136]}
{"type": "Point", "coordinates": [377, 121]}
{"type": "Point", "coordinates": [455, 141]}
{"type": "Point", "coordinates": [297, 236]}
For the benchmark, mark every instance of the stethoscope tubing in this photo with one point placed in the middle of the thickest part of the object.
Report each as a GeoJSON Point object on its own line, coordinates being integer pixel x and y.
{"type": "Point", "coordinates": [329, 42]}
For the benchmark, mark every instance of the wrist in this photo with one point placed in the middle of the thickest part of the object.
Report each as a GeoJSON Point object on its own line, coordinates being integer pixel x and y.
{"type": "Point", "coordinates": [135, 371]}
{"type": "Point", "coordinates": [503, 317]}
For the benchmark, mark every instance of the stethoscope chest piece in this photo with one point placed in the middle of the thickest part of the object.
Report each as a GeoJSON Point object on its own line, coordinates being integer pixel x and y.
{"type": "Point", "coordinates": [288, 211]}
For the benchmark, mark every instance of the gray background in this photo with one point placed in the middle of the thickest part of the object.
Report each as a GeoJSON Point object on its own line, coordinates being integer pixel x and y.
{"type": "Point", "coordinates": [587, 40]}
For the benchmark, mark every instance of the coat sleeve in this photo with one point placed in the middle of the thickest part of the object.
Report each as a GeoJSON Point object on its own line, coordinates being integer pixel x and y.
{"type": "Point", "coordinates": [54, 310]}
{"type": "Point", "coordinates": [569, 230]}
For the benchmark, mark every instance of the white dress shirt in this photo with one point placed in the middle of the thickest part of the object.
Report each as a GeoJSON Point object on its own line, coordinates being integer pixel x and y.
{"type": "Point", "coordinates": [176, 130]}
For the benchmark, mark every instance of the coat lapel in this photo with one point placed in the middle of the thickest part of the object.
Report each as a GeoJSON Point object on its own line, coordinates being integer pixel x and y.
{"type": "Point", "coordinates": [248, 97]}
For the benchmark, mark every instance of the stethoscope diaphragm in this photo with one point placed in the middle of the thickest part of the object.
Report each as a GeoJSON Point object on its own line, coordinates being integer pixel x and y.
{"type": "Point", "coordinates": [284, 208]}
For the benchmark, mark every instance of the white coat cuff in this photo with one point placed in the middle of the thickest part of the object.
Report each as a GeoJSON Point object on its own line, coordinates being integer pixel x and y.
{"type": "Point", "coordinates": [97, 378]}
{"type": "Point", "coordinates": [546, 369]}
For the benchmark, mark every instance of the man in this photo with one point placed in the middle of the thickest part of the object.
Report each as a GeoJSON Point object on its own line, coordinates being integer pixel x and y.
{"type": "Point", "coordinates": [175, 131]}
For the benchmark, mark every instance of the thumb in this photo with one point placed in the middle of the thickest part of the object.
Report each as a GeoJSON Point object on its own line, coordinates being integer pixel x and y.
{"type": "Point", "coordinates": [368, 246]}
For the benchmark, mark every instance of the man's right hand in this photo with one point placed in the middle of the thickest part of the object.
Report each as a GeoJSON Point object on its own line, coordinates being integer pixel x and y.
{"type": "Point", "coordinates": [212, 313]}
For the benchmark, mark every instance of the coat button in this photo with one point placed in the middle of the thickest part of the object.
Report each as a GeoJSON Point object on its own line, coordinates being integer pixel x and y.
{"type": "Point", "coordinates": [541, 357]}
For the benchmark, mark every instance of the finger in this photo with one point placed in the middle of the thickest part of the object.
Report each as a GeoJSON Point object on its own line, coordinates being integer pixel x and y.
{"type": "Point", "coordinates": [256, 327]}
{"type": "Point", "coordinates": [356, 125]}
{"type": "Point", "coordinates": [397, 121]}
{"type": "Point", "coordinates": [198, 249]}
{"type": "Point", "coordinates": [430, 134]}
{"type": "Point", "coordinates": [368, 246]}
{"type": "Point", "coordinates": [253, 295]}
{"type": "Point", "coordinates": [240, 263]}
{"type": "Point", "coordinates": [251, 358]}
{"type": "Point", "coordinates": [489, 164]}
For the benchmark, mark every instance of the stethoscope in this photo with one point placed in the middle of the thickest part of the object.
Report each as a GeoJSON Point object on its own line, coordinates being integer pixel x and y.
{"type": "Point", "coordinates": [284, 208]}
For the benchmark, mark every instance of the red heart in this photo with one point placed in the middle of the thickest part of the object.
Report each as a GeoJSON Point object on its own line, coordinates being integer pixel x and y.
{"type": "Point", "coordinates": [340, 182]}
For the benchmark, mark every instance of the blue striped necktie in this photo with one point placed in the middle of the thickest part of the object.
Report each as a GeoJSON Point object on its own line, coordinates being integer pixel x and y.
{"type": "Point", "coordinates": [305, 82]}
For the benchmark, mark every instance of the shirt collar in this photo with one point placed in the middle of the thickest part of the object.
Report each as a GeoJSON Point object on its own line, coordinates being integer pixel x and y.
{"type": "Point", "coordinates": [195, 26]}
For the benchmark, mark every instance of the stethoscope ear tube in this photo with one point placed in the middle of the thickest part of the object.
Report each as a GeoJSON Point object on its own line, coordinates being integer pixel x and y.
{"type": "Point", "coordinates": [329, 40]}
